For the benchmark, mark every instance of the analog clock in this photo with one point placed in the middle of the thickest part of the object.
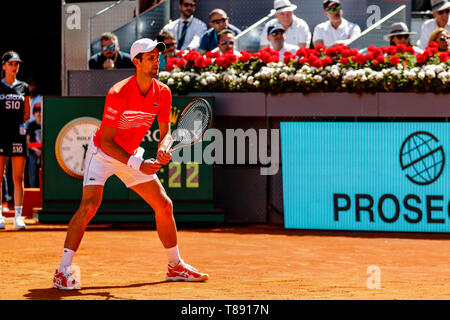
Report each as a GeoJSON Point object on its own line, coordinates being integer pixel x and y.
{"type": "Point", "coordinates": [72, 144]}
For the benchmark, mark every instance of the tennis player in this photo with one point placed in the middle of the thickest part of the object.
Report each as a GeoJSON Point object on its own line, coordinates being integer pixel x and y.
{"type": "Point", "coordinates": [131, 106]}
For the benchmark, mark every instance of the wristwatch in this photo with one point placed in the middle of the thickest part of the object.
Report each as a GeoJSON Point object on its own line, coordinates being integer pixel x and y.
{"type": "Point", "coordinates": [72, 144]}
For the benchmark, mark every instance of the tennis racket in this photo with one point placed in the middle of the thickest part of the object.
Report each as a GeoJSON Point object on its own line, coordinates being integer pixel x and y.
{"type": "Point", "coordinates": [194, 121]}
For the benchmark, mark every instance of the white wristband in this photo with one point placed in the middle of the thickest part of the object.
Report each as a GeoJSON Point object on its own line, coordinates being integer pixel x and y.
{"type": "Point", "coordinates": [135, 162]}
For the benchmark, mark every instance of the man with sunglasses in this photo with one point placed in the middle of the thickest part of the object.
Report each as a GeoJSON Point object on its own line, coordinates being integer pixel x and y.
{"type": "Point", "coordinates": [168, 38]}
{"type": "Point", "coordinates": [110, 57]}
{"type": "Point", "coordinates": [227, 42]}
{"type": "Point", "coordinates": [400, 34]}
{"type": "Point", "coordinates": [276, 36]}
{"type": "Point", "coordinates": [218, 21]}
{"type": "Point", "coordinates": [296, 29]}
{"type": "Point", "coordinates": [337, 29]}
{"type": "Point", "coordinates": [187, 29]}
{"type": "Point", "coordinates": [440, 10]}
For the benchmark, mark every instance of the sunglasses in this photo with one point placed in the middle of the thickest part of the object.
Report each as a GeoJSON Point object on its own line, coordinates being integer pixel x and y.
{"type": "Point", "coordinates": [447, 11]}
{"type": "Point", "coordinates": [444, 38]}
{"type": "Point", "coordinates": [333, 10]}
{"type": "Point", "coordinates": [191, 5]}
{"type": "Point", "coordinates": [277, 32]}
{"type": "Point", "coordinates": [224, 43]}
{"type": "Point", "coordinates": [219, 20]}
{"type": "Point", "coordinates": [402, 36]}
{"type": "Point", "coordinates": [111, 47]}
{"type": "Point", "coordinates": [169, 45]}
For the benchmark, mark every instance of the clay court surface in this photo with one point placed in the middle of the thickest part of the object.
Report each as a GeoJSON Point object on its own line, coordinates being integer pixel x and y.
{"type": "Point", "coordinates": [244, 262]}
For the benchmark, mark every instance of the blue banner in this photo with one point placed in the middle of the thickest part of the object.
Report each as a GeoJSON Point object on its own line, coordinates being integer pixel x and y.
{"type": "Point", "coordinates": [369, 176]}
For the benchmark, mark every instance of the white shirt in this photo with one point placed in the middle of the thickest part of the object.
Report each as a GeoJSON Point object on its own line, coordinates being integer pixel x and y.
{"type": "Point", "coordinates": [297, 33]}
{"type": "Point", "coordinates": [324, 31]}
{"type": "Point", "coordinates": [196, 28]}
{"type": "Point", "coordinates": [427, 29]}
{"type": "Point", "coordinates": [286, 47]}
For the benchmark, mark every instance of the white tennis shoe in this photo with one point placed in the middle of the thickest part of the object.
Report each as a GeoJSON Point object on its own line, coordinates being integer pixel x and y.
{"type": "Point", "coordinates": [19, 224]}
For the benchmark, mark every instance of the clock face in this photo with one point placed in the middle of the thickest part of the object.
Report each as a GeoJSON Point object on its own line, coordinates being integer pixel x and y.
{"type": "Point", "coordinates": [72, 144]}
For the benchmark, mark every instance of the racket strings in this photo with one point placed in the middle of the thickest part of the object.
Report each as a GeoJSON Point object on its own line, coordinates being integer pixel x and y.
{"type": "Point", "coordinates": [193, 123]}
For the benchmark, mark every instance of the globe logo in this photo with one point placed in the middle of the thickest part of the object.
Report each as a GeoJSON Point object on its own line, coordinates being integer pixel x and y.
{"type": "Point", "coordinates": [422, 158]}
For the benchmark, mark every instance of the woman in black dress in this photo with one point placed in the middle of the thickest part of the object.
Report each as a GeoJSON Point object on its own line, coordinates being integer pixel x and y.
{"type": "Point", "coordinates": [14, 111]}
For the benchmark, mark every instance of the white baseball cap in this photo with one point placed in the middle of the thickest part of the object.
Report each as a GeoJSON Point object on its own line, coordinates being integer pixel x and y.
{"type": "Point", "coordinates": [145, 45]}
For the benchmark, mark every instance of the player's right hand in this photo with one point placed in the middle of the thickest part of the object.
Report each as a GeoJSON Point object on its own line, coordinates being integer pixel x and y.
{"type": "Point", "coordinates": [150, 166]}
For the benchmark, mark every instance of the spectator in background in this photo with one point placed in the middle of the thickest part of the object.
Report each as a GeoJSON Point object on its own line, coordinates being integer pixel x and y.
{"type": "Point", "coordinates": [168, 38]}
{"type": "Point", "coordinates": [34, 140]}
{"type": "Point", "coordinates": [276, 37]}
{"type": "Point", "coordinates": [440, 10]}
{"type": "Point", "coordinates": [187, 29]}
{"type": "Point", "coordinates": [400, 35]}
{"type": "Point", "coordinates": [297, 30]}
{"type": "Point", "coordinates": [110, 56]}
{"type": "Point", "coordinates": [218, 21]}
{"type": "Point", "coordinates": [35, 97]}
{"type": "Point", "coordinates": [337, 29]}
{"type": "Point", "coordinates": [442, 38]}
{"type": "Point", "coordinates": [227, 42]}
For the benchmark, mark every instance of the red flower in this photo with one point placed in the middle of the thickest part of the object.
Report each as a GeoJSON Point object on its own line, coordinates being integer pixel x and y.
{"type": "Point", "coordinates": [181, 63]}
{"type": "Point", "coordinates": [314, 61]}
{"type": "Point", "coordinates": [444, 56]}
{"type": "Point", "coordinates": [212, 55]}
{"type": "Point", "coordinates": [320, 48]}
{"type": "Point", "coordinates": [411, 50]}
{"type": "Point", "coordinates": [331, 52]}
{"type": "Point", "coordinates": [345, 53]}
{"type": "Point", "coordinates": [288, 57]}
{"type": "Point", "coordinates": [199, 62]}
{"type": "Point", "coordinates": [326, 61]}
{"type": "Point", "coordinates": [421, 58]}
{"type": "Point", "coordinates": [344, 61]}
{"type": "Point", "coordinates": [180, 53]}
{"type": "Point", "coordinates": [245, 56]}
{"type": "Point", "coordinates": [381, 58]}
{"type": "Point", "coordinates": [401, 48]}
{"type": "Point", "coordinates": [302, 60]}
{"type": "Point", "coordinates": [428, 52]}
{"type": "Point", "coordinates": [391, 50]}
{"type": "Point", "coordinates": [171, 63]}
{"type": "Point", "coordinates": [394, 60]}
{"type": "Point", "coordinates": [360, 58]}
{"type": "Point", "coordinates": [192, 56]}
{"type": "Point", "coordinates": [302, 52]}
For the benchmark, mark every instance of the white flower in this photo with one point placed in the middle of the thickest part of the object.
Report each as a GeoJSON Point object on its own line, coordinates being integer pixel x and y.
{"type": "Point", "coordinates": [186, 78]}
{"type": "Point", "coordinates": [211, 79]}
{"type": "Point", "coordinates": [421, 75]}
{"type": "Point", "coordinates": [203, 82]}
{"type": "Point", "coordinates": [250, 80]}
{"type": "Point", "coordinates": [170, 81]}
{"type": "Point", "coordinates": [430, 74]}
{"type": "Point", "coordinates": [317, 78]}
{"type": "Point", "coordinates": [227, 77]}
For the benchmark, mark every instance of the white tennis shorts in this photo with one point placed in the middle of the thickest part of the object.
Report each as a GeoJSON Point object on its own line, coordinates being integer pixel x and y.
{"type": "Point", "coordinates": [99, 167]}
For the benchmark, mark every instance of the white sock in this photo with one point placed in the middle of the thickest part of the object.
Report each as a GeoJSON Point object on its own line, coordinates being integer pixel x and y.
{"type": "Point", "coordinates": [18, 211]}
{"type": "Point", "coordinates": [66, 260]}
{"type": "Point", "coordinates": [1, 211]}
{"type": "Point", "coordinates": [173, 255]}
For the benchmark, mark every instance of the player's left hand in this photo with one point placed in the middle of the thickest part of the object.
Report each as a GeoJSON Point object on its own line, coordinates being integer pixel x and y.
{"type": "Point", "coordinates": [163, 157]}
